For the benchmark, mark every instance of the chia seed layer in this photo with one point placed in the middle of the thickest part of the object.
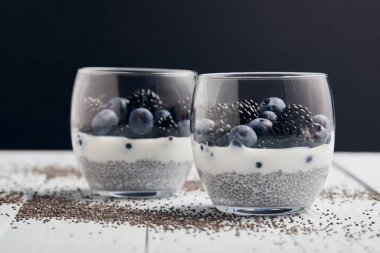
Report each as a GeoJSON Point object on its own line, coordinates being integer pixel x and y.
{"type": "Point", "coordinates": [142, 175]}
{"type": "Point", "coordinates": [276, 189]}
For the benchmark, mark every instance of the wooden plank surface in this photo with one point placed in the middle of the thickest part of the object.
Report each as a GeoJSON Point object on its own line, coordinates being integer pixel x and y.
{"type": "Point", "coordinates": [363, 166]}
{"type": "Point", "coordinates": [345, 218]}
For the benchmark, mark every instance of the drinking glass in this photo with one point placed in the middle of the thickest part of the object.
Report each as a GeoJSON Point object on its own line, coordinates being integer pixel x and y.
{"type": "Point", "coordinates": [130, 129]}
{"type": "Point", "coordinates": [262, 142]}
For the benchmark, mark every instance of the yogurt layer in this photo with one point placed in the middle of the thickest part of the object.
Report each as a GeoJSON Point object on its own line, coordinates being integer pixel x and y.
{"type": "Point", "coordinates": [117, 148]}
{"type": "Point", "coordinates": [243, 160]}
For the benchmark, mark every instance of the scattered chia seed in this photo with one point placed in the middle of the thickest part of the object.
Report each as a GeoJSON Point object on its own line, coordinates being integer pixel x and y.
{"type": "Point", "coordinates": [77, 205]}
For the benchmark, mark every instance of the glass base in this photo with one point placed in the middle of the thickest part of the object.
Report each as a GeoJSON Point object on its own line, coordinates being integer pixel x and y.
{"type": "Point", "coordinates": [135, 194]}
{"type": "Point", "coordinates": [262, 211]}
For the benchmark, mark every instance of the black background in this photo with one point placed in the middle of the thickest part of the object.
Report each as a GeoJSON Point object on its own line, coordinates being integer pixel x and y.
{"type": "Point", "coordinates": [44, 42]}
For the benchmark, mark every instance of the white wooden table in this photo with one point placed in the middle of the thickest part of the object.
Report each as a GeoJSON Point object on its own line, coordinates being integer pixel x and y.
{"type": "Point", "coordinates": [345, 218]}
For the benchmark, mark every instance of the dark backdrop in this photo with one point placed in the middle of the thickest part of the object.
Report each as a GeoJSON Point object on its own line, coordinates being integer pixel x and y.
{"type": "Point", "coordinates": [44, 42]}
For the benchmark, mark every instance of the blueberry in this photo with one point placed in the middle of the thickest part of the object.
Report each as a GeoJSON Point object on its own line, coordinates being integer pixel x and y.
{"type": "Point", "coordinates": [269, 115]}
{"type": "Point", "coordinates": [162, 114]}
{"type": "Point", "coordinates": [202, 128]}
{"type": "Point", "coordinates": [272, 104]}
{"type": "Point", "coordinates": [243, 135]}
{"type": "Point", "coordinates": [184, 128]}
{"type": "Point", "coordinates": [103, 122]}
{"type": "Point", "coordinates": [119, 106]}
{"type": "Point", "coordinates": [128, 145]}
{"type": "Point", "coordinates": [322, 120]}
{"type": "Point", "coordinates": [262, 127]}
{"type": "Point", "coordinates": [259, 165]}
{"type": "Point", "coordinates": [309, 158]}
{"type": "Point", "coordinates": [320, 134]}
{"type": "Point", "coordinates": [141, 121]}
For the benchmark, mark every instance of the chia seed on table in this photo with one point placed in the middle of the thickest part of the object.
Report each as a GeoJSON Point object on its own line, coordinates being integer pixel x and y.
{"type": "Point", "coordinates": [142, 175]}
{"type": "Point", "coordinates": [194, 214]}
{"type": "Point", "coordinates": [276, 189]}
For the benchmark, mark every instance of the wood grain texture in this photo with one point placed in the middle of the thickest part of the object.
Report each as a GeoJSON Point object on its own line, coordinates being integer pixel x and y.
{"type": "Point", "coordinates": [67, 236]}
{"type": "Point", "coordinates": [363, 166]}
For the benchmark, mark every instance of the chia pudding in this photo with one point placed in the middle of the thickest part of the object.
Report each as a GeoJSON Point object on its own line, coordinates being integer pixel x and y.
{"type": "Point", "coordinates": [119, 164]}
{"type": "Point", "coordinates": [267, 159]}
{"type": "Point", "coordinates": [130, 130]}
{"type": "Point", "coordinates": [248, 177]}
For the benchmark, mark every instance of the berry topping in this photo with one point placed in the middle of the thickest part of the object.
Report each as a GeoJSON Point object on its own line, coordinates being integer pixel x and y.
{"type": "Point", "coordinates": [235, 114]}
{"type": "Point", "coordinates": [259, 165]}
{"type": "Point", "coordinates": [273, 104]}
{"type": "Point", "coordinates": [166, 126]}
{"type": "Point", "coordinates": [144, 98]}
{"type": "Point", "coordinates": [161, 114]}
{"type": "Point", "coordinates": [119, 106]}
{"type": "Point", "coordinates": [243, 135]}
{"type": "Point", "coordinates": [219, 134]}
{"type": "Point", "coordinates": [103, 122]}
{"type": "Point", "coordinates": [268, 115]}
{"type": "Point", "coordinates": [141, 121]}
{"type": "Point", "coordinates": [294, 123]}
{"type": "Point", "coordinates": [225, 112]}
{"type": "Point", "coordinates": [320, 134]}
{"type": "Point", "coordinates": [261, 126]}
{"type": "Point", "coordinates": [128, 145]}
{"type": "Point", "coordinates": [248, 110]}
{"type": "Point", "coordinates": [322, 120]}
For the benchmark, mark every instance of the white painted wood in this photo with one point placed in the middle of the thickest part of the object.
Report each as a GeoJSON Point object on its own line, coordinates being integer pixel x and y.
{"type": "Point", "coordinates": [85, 237]}
{"type": "Point", "coordinates": [365, 166]}
{"type": "Point", "coordinates": [270, 241]}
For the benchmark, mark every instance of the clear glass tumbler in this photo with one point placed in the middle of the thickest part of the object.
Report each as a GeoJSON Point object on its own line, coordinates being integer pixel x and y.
{"type": "Point", "coordinates": [130, 129]}
{"type": "Point", "coordinates": [262, 142]}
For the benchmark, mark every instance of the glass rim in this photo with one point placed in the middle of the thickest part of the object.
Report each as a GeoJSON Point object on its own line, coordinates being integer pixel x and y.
{"type": "Point", "coordinates": [261, 75]}
{"type": "Point", "coordinates": [132, 71]}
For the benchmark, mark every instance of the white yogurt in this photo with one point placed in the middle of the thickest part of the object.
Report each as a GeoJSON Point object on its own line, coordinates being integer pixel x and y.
{"type": "Point", "coordinates": [243, 160]}
{"type": "Point", "coordinates": [114, 148]}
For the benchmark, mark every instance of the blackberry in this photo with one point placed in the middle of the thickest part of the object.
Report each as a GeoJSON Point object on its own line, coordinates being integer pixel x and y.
{"type": "Point", "coordinates": [295, 124]}
{"type": "Point", "coordinates": [239, 113]}
{"type": "Point", "coordinates": [248, 111]}
{"type": "Point", "coordinates": [166, 127]}
{"type": "Point", "coordinates": [219, 134]}
{"type": "Point", "coordinates": [144, 98]}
